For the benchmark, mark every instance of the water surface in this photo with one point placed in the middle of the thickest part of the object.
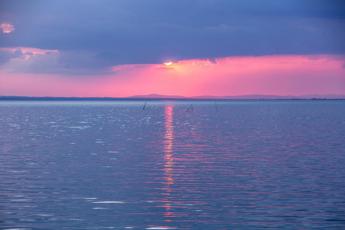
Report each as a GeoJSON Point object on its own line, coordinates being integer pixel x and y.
{"type": "Point", "coordinates": [172, 165]}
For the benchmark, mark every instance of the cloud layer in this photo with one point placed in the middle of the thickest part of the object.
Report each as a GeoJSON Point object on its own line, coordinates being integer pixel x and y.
{"type": "Point", "coordinates": [93, 35]}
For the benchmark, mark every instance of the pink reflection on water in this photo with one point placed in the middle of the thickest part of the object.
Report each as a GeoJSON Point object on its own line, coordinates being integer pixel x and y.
{"type": "Point", "coordinates": [168, 160]}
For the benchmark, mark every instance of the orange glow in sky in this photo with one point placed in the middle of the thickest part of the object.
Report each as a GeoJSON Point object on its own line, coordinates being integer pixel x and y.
{"type": "Point", "coordinates": [168, 63]}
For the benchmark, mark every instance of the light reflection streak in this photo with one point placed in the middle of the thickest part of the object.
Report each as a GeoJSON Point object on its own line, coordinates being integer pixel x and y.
{"type": "Point", "coordinates": [168, 161]}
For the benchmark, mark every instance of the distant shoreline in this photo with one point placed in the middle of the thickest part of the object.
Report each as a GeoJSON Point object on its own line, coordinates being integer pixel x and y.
{"type": "Point", "coordinates": [239, 98]}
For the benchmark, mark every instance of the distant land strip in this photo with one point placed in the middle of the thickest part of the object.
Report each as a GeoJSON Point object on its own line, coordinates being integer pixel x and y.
{"type": "Point", "coordinates": [156, 97]}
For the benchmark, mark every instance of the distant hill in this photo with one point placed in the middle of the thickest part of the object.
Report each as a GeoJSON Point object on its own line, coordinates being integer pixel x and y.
{"type": "Point", "coordinates": [158, 96]}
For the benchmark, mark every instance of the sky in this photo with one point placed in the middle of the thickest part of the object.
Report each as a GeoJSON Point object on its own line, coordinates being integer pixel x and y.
{"type": "Point", "coordinates": [121, 48]}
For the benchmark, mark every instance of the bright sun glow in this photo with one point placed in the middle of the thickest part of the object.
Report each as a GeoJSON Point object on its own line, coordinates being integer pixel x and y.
{"type": "Point", "coordinates": [168, 63]}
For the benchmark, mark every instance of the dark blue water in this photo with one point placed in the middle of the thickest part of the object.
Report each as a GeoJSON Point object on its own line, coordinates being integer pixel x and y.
{"type": "Point", "coordinates": [170, 165]}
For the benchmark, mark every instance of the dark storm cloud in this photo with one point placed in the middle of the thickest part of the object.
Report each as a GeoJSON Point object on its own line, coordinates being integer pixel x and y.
{"type": "Point", "coordinates": [151, 31]}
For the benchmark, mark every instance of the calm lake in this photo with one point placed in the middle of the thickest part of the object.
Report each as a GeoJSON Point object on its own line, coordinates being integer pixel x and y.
{"type": "Point", "coordinates": [172, 165]}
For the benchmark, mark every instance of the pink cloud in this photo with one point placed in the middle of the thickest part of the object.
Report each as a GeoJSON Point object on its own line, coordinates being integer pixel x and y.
{"type": "Point", "coordinates": [29, 50]}
{"type": "Point", "coordinates": [6, 28]}
{"type": "Point", "coordinates": [278, 75]}
{"type": "Point", "coordinates": [25, 59]}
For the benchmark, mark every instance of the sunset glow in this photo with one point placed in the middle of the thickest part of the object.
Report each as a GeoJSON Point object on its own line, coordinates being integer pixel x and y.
{"type": "Point", "coordinates": [268, 75]}
{"type": "Point", "coordinates": [137, 51]}
{"type": "Point", "coordinates": [169, 63]}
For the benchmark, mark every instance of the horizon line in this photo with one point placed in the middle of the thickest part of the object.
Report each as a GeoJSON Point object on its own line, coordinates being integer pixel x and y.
{"type": "Point", "coordinates": [158, 97]}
